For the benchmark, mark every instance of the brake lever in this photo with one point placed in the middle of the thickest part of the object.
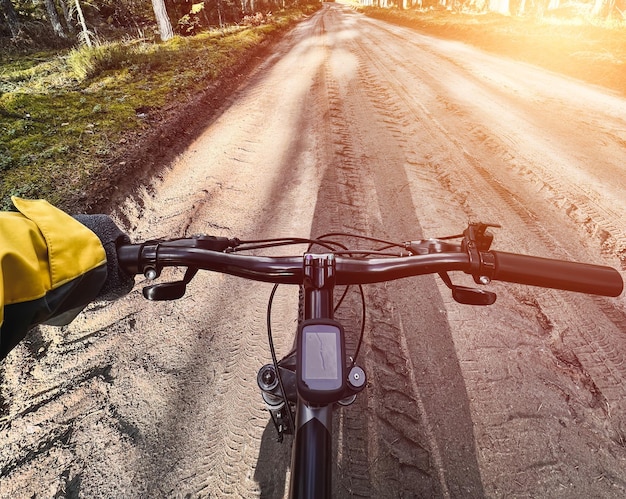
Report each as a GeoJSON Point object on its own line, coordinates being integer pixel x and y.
{"type": "Point", "coordinates": [170, 290]}
{"type": "Point", "coordinates": [468, 296]}
{"type": "Point", "coordinates": [148, 253]}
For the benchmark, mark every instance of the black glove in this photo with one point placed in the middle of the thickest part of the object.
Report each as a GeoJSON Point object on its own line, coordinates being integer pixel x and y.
{"type": "Point", "coordinates": [118, 282]}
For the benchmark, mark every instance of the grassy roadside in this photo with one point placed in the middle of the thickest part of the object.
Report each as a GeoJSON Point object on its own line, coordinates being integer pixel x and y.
{"type": "Point", "coordinates": [64, 116]}
{"type": "Point", "coordinates": [565, 41]}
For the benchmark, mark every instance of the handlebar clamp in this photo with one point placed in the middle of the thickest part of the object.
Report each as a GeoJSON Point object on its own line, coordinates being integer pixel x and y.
{"type": "Point", "coordinates": [476, 242]}
{"type": "Point", "coordinates": [487, 268]}
{"type": "Point", "coordinates": [148, 256]}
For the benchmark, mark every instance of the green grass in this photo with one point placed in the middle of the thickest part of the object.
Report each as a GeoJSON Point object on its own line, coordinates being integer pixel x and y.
{"type": "Point", "coordinates": [63, 115]}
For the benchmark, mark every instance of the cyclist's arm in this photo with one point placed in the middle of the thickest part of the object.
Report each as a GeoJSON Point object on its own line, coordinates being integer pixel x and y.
{"type": "Point", "coordinates": [52, 266]}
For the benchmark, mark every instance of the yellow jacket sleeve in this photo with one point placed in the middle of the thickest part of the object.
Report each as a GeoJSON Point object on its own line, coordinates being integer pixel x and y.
{"type": "Point", "coordinates": [44, 252]}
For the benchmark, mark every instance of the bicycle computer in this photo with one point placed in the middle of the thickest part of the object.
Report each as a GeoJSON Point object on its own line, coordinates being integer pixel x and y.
{"type": "Point", "coordinates": [321, 361]}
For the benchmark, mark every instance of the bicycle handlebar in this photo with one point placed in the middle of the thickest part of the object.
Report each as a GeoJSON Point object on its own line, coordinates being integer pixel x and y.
{"type": "Point", "coordinates": [149, 258]}
{"type": "Point", "coordinates": [289, 269]}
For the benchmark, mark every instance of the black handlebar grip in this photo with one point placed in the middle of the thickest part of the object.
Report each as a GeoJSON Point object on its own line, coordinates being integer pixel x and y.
{"type": "Point", "coordinates": [557, 274]}
{"type": "Point", "coordinates": [118, 282]}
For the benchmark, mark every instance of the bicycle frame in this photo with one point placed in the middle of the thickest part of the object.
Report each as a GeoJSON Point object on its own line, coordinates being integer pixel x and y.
{"type": "Point", "coordinates": [311, 460]}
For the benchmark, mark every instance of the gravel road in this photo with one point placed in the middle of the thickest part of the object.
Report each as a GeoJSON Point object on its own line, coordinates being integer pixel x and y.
{"type": "Point", "coordinates": [352, 124]}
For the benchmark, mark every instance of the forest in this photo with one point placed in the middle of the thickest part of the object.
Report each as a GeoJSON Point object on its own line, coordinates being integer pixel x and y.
{"type": "Point", "coordinates": [64, 23]}
{"type": "Point", "coordinates": [80, 94]}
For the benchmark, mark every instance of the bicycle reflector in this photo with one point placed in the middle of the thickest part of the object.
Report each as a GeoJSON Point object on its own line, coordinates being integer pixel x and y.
{"type": "Point", "coordinates": [321, 369]}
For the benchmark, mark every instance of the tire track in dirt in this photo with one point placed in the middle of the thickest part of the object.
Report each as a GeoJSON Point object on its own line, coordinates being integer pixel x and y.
{"type": "Point", "coordinates": [405, 430]}
{"type": "Point", "coordinates": [207, 416]}
{"type": "Point", "coordinates": [604, 358]}
{"type": "Point", "coordinates": [406, 433]}
{"type": "Point", "coordinates": [575, 199]}
{"type": "Point", "coordinates": [342, 208]}
{"type": "Point", "coordinates": [236, 422]}
{"type": "Point", "coordinates": [599, 356]}
{"type": "Point", "coordinates": [208, 429]}
{"type": "Point", "coordinates": [375, 82]}
{"type": "Point", "coordinates": [342, 211]}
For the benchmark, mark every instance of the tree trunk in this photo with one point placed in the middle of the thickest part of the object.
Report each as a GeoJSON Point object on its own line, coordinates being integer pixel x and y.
{"type": "Point", "coordinates": [68, 17]}
{"type": "Point", "coordinates": [602, 8]}
{"type": "Point", "coordinates": [83, 25]}
{"type": "Point", "coordinates": [53, 17]}
{"type": "Point", "coordinates": [500, 6]}
{"type": "Point", "coordinates": [219, 13]}
{"type": "Point", "coordinates": [11, 17]}
{"type": "Point", "coordinates": [160, 12]}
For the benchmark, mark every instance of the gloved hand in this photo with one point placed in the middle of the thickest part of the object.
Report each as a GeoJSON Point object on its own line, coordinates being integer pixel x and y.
{"type": "Point", "coordinates": [52, 266]}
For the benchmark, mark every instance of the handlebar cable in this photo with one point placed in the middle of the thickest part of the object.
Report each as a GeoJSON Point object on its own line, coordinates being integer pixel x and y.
{"type": "Point", "coordinates": [389, 244]}
{"type": "Point", "coordinates": [274, 243]}
{"type": "Point", "coordinates": [456, 236]}
{"type": "Point", "coordinates": [274, 358]}
{"type": "Point", "coordinates": [360, 342]}
{"type": "Point", "coordinates": [363, 314]}
{"type": "Point", "coordinates": [343, 295]}
{"type": "Point", "coordinates": [366, 253]}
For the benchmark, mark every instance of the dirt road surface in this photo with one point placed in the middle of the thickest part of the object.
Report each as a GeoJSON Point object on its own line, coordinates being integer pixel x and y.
{"type": "Point", "coordinates": [356, 125]}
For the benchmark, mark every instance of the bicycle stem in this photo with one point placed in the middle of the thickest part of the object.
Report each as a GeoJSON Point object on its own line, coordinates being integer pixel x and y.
{"type": "Point", "coordinates": [312, 444]}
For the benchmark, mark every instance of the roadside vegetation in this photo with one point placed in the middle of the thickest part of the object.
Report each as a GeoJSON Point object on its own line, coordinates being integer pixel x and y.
{"type": "Point", "coordinates": [65, 114]}
{"type": "Point", "coordinates": [69, 109]}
